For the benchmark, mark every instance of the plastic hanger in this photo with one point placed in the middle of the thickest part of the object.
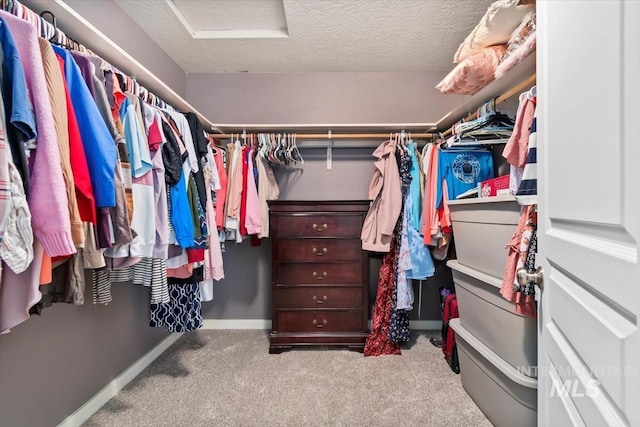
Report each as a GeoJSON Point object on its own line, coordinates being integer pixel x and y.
{"type": "Point", "coordinates": [295, 154]}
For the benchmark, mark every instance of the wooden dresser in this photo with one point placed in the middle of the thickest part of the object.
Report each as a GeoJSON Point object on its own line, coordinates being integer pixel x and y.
{"type": "Point", "coordinates": [319, 275]}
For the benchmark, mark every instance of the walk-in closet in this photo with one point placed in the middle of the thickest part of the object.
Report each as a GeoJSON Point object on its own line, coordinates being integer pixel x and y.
{"type": "Point", "coordinates": [319, 213]}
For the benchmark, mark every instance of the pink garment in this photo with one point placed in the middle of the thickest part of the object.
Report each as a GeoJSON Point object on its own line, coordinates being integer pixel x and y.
{"type": "Point", "coordinates": [525, 305]}
{"type": "Point", "coordinates": [253, 220]}
{"type": "Point", "coordinates": [235, 192]}
{"type": "Point", "coordinates": [183, 272]}
{"type": "Point", "coordinates": [431, 225]}
{"type": "Point", "coordinates": [516, 149]}
{"type": "Point", "coordinates": [48, 196]}
{"type": "Point", "coordinates": [20, 292]}
{"type": "Point", "coordinates": [386, 194]}
{"type": "Point", "coordinates": [221, 194]}
{"type": "Point", "coordinates": [445, 216]}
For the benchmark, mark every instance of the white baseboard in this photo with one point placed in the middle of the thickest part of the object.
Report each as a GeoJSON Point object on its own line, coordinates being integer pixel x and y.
{"type": "Point", "coordinates": [110, 390]}
{"type": "Point", "coordinates": [425, 325]}
{"type": "Point", "coordinates": [236, 324]}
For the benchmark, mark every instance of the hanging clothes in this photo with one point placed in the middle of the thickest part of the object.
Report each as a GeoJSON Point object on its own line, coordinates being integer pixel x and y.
{"type": "Point", "coordinates": [381, 220]}
{"type": "Point", "coordinates": [378, 342]}
{"type": "Point", "coordinates": [47, 195]}
{"type": "Point", "coordinates": [267, 190]}
{"type": "Point", "coordinates": [399, 320]}
{"type": "Point", "coordinates": [518, 248]}
{"type": "Point", "coordinates": [57, 96]}
{"type": "Point", "coordinates": [97, 142]}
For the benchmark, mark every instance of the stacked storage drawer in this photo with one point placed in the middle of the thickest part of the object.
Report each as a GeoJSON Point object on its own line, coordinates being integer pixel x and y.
{"type": "Point", "coordinates": [497, 347]}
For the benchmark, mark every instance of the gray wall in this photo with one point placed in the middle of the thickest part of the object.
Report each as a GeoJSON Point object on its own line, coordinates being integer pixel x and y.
{"type": "Point", "coordinates": [246, 290]}
{"type": "Point", "coordinates": [313, 98]}
{"type": "Point", "coordinates": [320, 98]}
{"type": "Point", "coordinates": [52, 364]}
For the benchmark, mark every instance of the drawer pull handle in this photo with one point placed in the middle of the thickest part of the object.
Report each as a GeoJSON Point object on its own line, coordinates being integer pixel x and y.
{"type": "Point", "coordinates": [320, 277]}
{"type": "Point", "coordinates": [320, 228]}
{"type": "Point", "coordinates": [320, 301]}
{"type": "Point", "coordinates": [318, 325]}
{"type": "Point", "coordinates": [319, 253]}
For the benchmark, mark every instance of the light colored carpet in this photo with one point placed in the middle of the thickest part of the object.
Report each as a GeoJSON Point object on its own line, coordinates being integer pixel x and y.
{"type": "Point", "coordinates": [228, 378]}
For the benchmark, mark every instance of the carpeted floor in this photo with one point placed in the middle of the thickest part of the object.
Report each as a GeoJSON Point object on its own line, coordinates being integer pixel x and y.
{"type": "Point", "coordinates": [228, 378]}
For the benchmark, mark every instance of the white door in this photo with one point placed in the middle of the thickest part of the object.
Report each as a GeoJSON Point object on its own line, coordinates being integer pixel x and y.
{"type": "Point", "coordinates": [589, 212]}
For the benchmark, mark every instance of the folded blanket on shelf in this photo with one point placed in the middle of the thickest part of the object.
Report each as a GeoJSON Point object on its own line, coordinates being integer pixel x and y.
{"type": "Point", "coordinates": [474, 72]}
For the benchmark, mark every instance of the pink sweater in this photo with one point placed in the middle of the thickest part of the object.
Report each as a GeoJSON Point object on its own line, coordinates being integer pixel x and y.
{"type": "Point", "coordinates": [48, 197]}
{"type": "Point", "coordinates": [253, 220]}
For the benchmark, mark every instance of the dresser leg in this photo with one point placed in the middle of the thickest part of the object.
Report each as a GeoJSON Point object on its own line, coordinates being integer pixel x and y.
{"type": "Point", "coordinates": [279, 349]}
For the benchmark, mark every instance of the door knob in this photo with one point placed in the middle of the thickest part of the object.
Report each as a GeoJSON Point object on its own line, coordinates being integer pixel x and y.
{"type": "Point", "coordinates": [525, 277]}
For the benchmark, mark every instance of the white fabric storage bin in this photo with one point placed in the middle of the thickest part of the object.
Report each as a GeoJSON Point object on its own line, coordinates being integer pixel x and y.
{"type": "Point", "coordinates": [493, 320]}
{"type": "Point", "coordinates": [506, 397]}
{"type": "Point", "coordinates": [481, 229]}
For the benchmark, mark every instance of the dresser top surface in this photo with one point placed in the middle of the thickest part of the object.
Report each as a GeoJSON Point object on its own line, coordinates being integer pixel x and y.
{"type": "Point", "coordinates": [318, 205]}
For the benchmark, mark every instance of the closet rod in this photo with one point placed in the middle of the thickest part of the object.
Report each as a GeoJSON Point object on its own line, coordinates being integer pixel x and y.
{"type": "Point", "coordinates": [333, 136]}
{"type": "Point", "coordinates": [517, 89]}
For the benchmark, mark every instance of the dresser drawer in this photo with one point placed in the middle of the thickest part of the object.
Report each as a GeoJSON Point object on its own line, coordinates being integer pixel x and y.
{"type": "Point", "coordinates": [319, 297]}
{"type": "Point", "coordinates": [320, 226]}
{"type": "Point", "coordinates": [318, 250]}
{"type": "Point", "coordinates": [320, 274]}
{"type": "Point", "coordinates": [319, 320]}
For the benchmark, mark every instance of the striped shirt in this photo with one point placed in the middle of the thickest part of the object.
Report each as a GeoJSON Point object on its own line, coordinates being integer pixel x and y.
{"type": "Point", "coordinates": [528, 190]}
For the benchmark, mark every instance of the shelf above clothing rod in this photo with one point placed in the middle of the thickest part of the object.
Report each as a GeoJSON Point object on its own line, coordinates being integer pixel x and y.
{"type": "Point", "coordinates": [75, 25]}
{"type": "Point", "coordinates": [519, 88]}
{"type": "Point", "coordinates": [517, 80]}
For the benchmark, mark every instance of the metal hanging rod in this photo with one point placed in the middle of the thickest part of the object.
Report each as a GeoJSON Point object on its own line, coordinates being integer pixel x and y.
{"type": "Point", "coordinates": [321, 136]}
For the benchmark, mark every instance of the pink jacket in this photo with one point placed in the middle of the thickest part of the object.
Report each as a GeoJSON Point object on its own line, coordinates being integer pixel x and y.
{"type": "Point", "coordinates": [48, 196]}
{"type": "Point", "coordinates": [386, 192]}
{"type": "Point", "coordinates": [253, 220]}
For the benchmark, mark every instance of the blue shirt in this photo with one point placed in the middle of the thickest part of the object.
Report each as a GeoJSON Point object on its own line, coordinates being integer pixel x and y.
{"type": "Point", "coordinates": [136, 141]}
{"type": "Point", "coordinates": [414, 188]}
{"type": "Point", "coordinates": [462, 170]}
{"type": "Point", "coordinates": [98, 144]}
{"type": "Point", "coordinates": [181, 214]}
{"type": "Point", "coordinates": [17, 104]}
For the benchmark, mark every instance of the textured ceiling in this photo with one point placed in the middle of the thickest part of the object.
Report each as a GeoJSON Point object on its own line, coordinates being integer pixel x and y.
{"type": "Point", "coordinates": [323, 35]}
